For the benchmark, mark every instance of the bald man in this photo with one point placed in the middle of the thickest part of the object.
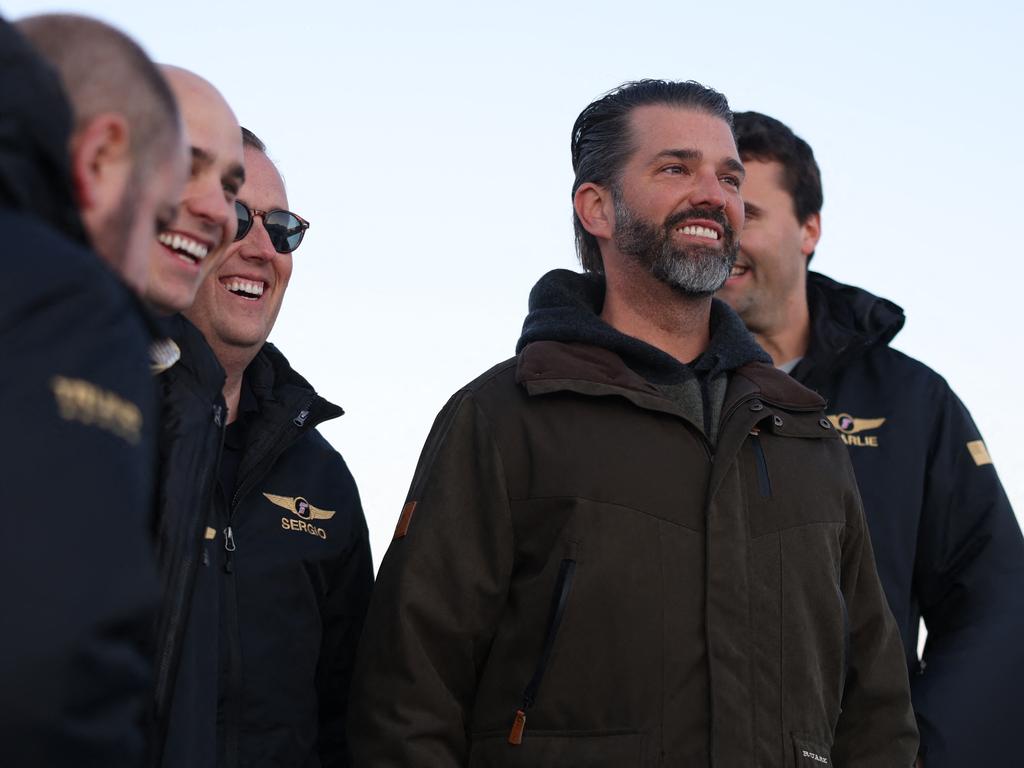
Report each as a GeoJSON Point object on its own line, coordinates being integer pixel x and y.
{"type": "Point", "coordinates": [190, 248]}
{"type": "Point", "coordinates": [193, 416]}
{"type": "Point", "coordinates": [91, 162]}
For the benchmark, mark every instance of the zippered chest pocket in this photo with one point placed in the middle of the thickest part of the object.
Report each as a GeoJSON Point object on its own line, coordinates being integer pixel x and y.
{"type": "Point", "coordinates": [791, 479]}
{"type": "Point", "coordinates": [579, 648]}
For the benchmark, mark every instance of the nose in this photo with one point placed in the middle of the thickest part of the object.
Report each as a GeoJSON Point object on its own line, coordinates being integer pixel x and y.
{"type": "Point", "coordinates": [707, 190]}
{"type": "Point", "coordinates": [256, 243]}
{"type": "Point", "coordinates": [211, 205]}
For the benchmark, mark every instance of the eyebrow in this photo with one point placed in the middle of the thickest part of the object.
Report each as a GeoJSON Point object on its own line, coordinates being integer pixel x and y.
{"type": "Point", "coordinates": [202, 159]}
{"type": "Point", "coordinates": [237, 173]}
{"type": "Point", "coordinates": [730, 163]}
{"type": "Point", "coordinates": [680, 154]}
{"type": "Point", "coordinates": [751, 209]}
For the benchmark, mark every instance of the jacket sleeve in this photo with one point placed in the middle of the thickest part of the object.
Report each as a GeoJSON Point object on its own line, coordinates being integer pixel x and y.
{"type": "Point", "coordinates": [876, 727]}
{"type": "Point", "coordinates": [344, 612]}
{"type": "Point", "coordinates": [439, 595]}
{"type": "Point", "coordinates": [969, 578]}
{"type": "Point", "coordinates": [77, 573]}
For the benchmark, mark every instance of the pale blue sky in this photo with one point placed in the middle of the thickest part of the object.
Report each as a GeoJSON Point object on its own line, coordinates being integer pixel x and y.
{"type": "Point", "coordinates": [428, 145]}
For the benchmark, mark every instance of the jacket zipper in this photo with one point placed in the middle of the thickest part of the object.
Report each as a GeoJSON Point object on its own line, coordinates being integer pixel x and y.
{"type": "Point", "coordinates": [764, 481]}
{"type": "Point", "coordinates": [176, 617]}
{"type": "Point", "coordinates": [560, 599]}
{"type": "Point", "coordinates": [233, 697]}
{"type": "Point", "coordinates": [181, 610]}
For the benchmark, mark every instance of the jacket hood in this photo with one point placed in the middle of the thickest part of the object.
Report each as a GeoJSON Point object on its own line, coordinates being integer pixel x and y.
{"type": "Point", "coordinates": [565, 306]}
{"type": "Point", "coordinates": [847, 321]}
{"type": "Point", "coordinates": [35, 129]}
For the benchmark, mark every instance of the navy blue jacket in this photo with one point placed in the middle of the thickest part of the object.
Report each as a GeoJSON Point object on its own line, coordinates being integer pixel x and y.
{"type": "Point", "coordinates": [192, 419]}
{"type": "Point", "coordinates": [293, 558]}
{"type": "Point", "coordinates": [77, 573]}
{"type": "Point", "coordinates": [947, 544]}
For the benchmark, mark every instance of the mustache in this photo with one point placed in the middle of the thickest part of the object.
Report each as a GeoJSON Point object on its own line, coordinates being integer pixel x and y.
{"type": "Point", "coordinates": [716, 215]}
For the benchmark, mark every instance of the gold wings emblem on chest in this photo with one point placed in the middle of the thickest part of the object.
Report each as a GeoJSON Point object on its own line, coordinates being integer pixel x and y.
{"type": "Point", "coordinates": [299, 507]}
{"type": "Point", "coordinates": [850, 425]}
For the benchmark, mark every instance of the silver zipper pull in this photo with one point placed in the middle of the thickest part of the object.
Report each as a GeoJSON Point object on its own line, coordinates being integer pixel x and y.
{"type": "Point", "coordinates": [229, 540]}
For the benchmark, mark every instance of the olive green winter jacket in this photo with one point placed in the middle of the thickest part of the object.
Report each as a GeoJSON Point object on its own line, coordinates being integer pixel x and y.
{"type": "Point", "coordinates": [579, 579]}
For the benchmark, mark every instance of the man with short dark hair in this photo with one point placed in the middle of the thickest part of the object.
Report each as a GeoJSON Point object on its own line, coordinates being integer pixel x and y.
{"type": "Point", "coordinates": [127, 149]}
{"type": "Point", "coordinates": [289, 547]}
{"type": "Point", "coordinates": [635, 543]}
{"type": "Point", "coordinates": [77, 572]}
{"type": "Point", "coordinates": [948, 547]}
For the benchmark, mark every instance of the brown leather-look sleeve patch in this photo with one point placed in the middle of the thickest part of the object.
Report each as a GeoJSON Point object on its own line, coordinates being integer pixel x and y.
{"type": "Point", "coordinates": [403, 521]}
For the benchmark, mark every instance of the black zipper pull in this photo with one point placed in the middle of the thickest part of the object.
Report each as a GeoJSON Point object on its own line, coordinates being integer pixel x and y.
{"type": "Point", "coordinates": [218, 417]}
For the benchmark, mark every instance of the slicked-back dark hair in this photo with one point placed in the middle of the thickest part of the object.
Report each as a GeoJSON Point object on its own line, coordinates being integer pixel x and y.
{"type": "Point", "coordinates": [602, 141]}
{"type": "Point", "coordinates": [763, 138]}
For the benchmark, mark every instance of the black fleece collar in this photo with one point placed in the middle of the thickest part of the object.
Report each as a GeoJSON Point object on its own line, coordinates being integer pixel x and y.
{"type": "Point", "coordinates": [565, 306]}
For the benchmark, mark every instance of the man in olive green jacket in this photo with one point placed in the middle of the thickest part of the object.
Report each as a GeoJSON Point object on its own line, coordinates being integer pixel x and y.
{"type": "Point", "coordinates": [635, 543]}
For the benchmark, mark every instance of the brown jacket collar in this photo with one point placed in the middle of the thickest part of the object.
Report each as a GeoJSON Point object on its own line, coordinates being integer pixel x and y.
{"type": "Point", "coordinates": [549, 366]}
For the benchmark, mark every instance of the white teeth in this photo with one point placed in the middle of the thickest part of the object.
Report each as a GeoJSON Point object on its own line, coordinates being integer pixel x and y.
{"type": "Point", "coordinates": [252, 288]}
{"type": "Point", "coordinates": [690, 229]}
{"type": "Point", "coordinates": [184, 244]}
{"type": "Point", "coordinates": [196, 249]}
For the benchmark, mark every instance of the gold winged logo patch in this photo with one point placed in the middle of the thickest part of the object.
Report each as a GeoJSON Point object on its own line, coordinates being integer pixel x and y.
{"type": "Point", "coordinates": [850, 425]}
{"type": "Point", "coordinates": [299, 507]}
{"type": "Point", "coordinates": [849, 428]}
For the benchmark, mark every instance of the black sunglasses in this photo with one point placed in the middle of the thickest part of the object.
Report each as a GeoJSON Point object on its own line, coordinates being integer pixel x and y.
{"type": "Point", "coordinates": [284, 228]}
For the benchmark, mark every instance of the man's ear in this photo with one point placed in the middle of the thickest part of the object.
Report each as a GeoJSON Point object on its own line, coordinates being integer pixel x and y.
{"type": "Point", "coordinates": [100, 159]}
{"type": "Point", "coordinates": [596, 210]}
{"type": "Point", "coordinates": [810, 233]}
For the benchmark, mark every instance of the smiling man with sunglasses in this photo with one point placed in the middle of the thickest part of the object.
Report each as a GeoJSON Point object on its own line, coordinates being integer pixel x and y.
{"type": "Point", "coordinates": [293, 557]}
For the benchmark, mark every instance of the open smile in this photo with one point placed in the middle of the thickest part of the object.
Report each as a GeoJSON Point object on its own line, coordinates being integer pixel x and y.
{"type": "Point", "coordinates": [704, 229]}
{"type": "Point", "coordinates": [185, 247]}
{"type": "Point", "coordinates": [695, 230]}
{"type": "Point", "coordinates": [248, 289]}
